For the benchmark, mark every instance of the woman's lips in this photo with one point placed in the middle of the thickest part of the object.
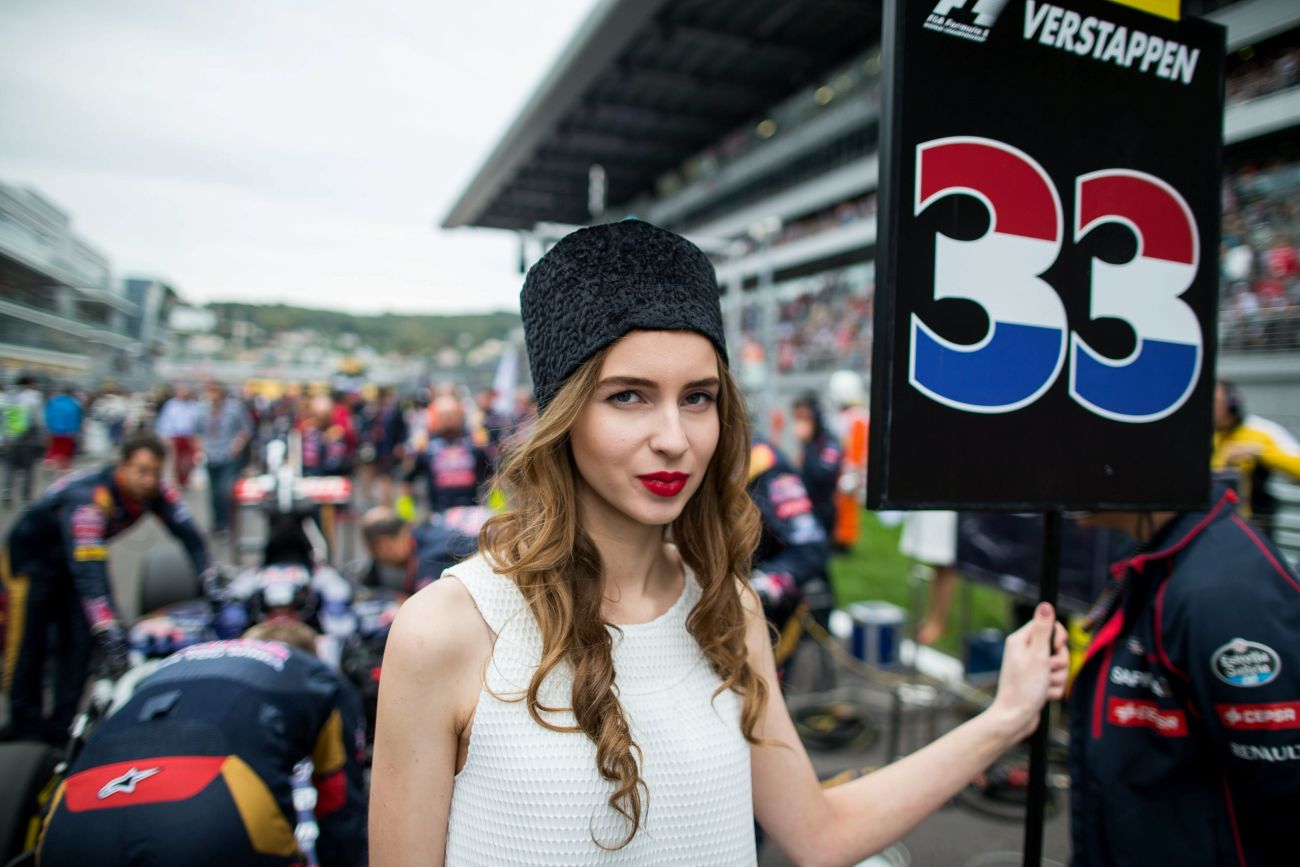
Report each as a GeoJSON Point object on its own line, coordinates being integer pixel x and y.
{"type": "Point", "coordinates": [664, 484]}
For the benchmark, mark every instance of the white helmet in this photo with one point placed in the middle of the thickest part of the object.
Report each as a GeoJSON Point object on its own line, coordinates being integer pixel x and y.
{"type": "Point", "coordinates": [846, 388]}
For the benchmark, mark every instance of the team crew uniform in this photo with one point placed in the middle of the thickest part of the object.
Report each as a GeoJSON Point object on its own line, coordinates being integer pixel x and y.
{"type": "Point", "coordinates": [385, 432]}
{"type": "Point", "coordinates": [55, 569]}
{"type": "Point", "coordinates": [454, 470]}
{"type": "Point", "coordinates": [793, 552]}
{"type": "Point", "coordinates": [1185, 717]}
{"type": "Point", "coordinates": [821, 476]}
{"type": "Point", "coordinates": [196, 768]}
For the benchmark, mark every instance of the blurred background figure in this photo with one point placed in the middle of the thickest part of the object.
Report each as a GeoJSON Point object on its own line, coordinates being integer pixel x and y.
{"type": "Point", "coordinates": [178, 424]}
{"type": "Point", "coordinates": [791, 564]}
{"type": "Point", "coordinates": [63, 421]}
{"type": "Point", "coordinates": [225, 428]}
{"type": "Point", "coordinates": [450, 466]}
{"type": "Point", "coordinates": [852, 426]}
{"type": "Point", "coordinates": [930, 538]}
{"type": "Point", "coordinates": [22, 431]}
{"type": "Point", "coordinates": [406, 557]}
{"type": "Point", "coordinates": [820, 459]}
{"type": "Point", "coordinates": [110, 409]}
{"type": "Point", "coordinates": [383, 434]}
{"type": "Point", "coordinates": [328, 438]}
{"type": "Point", "coordinates": [1256, 450]}
{"type": "Point", "coordinates": [490, 427]}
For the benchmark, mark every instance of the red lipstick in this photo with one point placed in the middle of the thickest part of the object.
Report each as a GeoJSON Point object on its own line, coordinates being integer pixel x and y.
{"type": "Point", "coordinates": [664, 484]}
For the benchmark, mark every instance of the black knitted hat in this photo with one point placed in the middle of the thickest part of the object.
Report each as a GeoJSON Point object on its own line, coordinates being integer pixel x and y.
{"type": "Point", "coordinates": [598, 284]}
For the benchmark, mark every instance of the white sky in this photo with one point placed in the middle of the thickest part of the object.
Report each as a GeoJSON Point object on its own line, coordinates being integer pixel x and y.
{"type": "Point", "coordinates": [277, 150]}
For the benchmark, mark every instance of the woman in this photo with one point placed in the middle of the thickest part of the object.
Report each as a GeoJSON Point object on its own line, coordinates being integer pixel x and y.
{"type": "Point", "coordinates": [584, 691]}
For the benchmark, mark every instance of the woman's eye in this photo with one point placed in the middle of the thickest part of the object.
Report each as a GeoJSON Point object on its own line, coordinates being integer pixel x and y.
{"type": "Point", "coordinates": [624, 398]}
{"type": "Point", "coordinates": [699, 398]}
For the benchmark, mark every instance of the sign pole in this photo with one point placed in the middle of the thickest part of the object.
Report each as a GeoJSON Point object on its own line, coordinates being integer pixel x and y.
{"type": "Point", "coordinates": [1037, 796]}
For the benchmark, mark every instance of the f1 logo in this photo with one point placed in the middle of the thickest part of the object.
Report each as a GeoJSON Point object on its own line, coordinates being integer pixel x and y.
{"type": "Point", "coordinates": [977, 13]}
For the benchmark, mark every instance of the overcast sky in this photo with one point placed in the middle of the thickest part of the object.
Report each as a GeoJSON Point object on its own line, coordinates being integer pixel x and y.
{"type": "Point", "coordinates": [277, 150]}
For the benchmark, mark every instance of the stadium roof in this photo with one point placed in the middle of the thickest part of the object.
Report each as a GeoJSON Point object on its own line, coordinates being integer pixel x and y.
{"type": "Point", "coordinates": [643, 85]}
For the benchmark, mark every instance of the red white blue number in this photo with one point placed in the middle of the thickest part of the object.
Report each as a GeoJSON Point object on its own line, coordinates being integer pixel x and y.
{"type": "Point", "coordinates": [1024, 350]}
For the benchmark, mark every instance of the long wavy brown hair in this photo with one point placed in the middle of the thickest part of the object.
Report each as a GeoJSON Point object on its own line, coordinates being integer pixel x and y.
{"type": "Point", "coordinates": [555, 564]}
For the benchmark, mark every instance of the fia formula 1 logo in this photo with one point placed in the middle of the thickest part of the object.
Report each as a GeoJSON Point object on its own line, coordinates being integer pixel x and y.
{"type": "Point", "coordinates": [967, 19]}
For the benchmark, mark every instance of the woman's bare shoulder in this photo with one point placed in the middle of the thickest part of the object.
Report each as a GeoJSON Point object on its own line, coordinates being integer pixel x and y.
{"type": "Point", "coordinates": [438, 626]}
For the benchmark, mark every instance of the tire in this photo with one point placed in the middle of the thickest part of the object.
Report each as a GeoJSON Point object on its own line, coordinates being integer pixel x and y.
{"type": "Point", "coordinates": [25, 768]}
{"type": "Point", "coordinates": [166, 576]}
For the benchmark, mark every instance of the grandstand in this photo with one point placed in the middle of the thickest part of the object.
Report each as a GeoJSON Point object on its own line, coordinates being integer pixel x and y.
{"type": "Point", "coordinates": [752, 128]}
{"type": "Point", "coordinates": [62, 315]}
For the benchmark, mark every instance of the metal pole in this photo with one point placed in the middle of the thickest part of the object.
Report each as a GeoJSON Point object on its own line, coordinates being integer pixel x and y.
{"type": "Point", "coordinates": [1049, 574]}
{"type": "Point", "coordinates": [767, 292]}
{"type": "Point", "coordinates": [735, 312]}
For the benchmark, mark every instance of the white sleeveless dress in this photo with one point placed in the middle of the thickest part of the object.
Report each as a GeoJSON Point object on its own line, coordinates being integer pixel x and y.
{"type": "Point", "coordinates": [531, 796]}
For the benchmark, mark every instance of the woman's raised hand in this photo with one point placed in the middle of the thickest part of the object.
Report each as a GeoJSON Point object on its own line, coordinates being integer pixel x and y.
{"type": "Point", "coordinates": [1035, 664]}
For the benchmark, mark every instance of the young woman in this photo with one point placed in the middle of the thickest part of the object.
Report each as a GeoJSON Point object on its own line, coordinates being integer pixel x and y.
{"type": "Point", "coordinates": [596, 686]}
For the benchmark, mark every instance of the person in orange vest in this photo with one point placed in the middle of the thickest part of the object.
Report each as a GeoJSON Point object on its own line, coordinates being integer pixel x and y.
{"type": "Point", "coordinates": [852, 425]}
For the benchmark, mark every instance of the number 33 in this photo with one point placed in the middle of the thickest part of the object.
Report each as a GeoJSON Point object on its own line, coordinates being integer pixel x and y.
{"type": "Point", "coordinates": [1025, 347]}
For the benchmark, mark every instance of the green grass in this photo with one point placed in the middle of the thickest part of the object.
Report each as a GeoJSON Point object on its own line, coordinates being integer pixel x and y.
{"type": "Point", "coordinates": [875, 570]}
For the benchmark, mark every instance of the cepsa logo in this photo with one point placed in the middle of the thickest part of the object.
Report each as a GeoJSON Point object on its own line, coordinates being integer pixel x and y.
{"type": "Point", "coordinates": [1269, 717]}
{"type": "Point", "coordinates": [967, 19]}
{"type": "Point", "coordinates": [1133, 713]}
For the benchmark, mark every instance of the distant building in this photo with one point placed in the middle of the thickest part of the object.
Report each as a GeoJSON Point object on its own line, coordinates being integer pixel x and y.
{"type": "Point", "coordinates": [154, 300]}
{"type": "Point", "coordinates": [61, 315]}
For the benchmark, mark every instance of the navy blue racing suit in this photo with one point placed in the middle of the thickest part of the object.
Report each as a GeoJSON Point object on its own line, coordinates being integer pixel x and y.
{"type": "Point", "coordinates": [55, 570]}
{"type": "Point", "coordinates": [454, 471]}
{"type": "Point", "coordinates": [793, 552]}
{"type": "Point", "coordinates": [197, 767]}
{"type": "Point", "coordinates": [1185, 716]}
{"type": "Point", "coordinates": [820, 472]}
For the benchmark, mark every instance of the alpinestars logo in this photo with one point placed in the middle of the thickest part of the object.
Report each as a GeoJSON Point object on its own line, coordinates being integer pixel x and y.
{"type": "Point", "coordinates": [967, 19]}
{"type": "Point", "coordinates": [125, 784]}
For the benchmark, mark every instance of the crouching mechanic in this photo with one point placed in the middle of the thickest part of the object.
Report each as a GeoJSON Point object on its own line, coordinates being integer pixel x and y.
{"type": "Point", "coordinates": [406, 558]}
{"type": "Point", "coordinates": [55, 569]}
{"type": "Point", "coordinates": [196, 768]}
{"type": "Point", "coordinates": [1185, 716]}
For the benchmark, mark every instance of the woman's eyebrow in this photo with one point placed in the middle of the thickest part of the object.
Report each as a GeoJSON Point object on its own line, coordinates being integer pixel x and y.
{"type": "Point", "coordinates": [639, 382]}
{"type": "Point", "coordinates": [627, 380]}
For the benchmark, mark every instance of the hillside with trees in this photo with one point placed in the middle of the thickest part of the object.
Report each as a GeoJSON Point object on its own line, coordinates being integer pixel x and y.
{"type": "Point", "coordinates": [409, 334]}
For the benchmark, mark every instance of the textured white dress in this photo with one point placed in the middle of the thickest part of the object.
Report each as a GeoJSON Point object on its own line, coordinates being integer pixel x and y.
{"type": "Point", "coordinates": [531, 796]}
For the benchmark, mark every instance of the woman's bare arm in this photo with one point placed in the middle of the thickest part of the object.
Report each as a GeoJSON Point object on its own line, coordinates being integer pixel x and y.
{"type": "Point", "coordinates": [431, 679]}
{"type": "Point", "coordinates": [850, 822]}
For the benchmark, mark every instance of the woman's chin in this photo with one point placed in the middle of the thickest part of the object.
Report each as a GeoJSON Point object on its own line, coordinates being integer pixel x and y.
{"type": "Point", "coordinates": [657, 514]}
